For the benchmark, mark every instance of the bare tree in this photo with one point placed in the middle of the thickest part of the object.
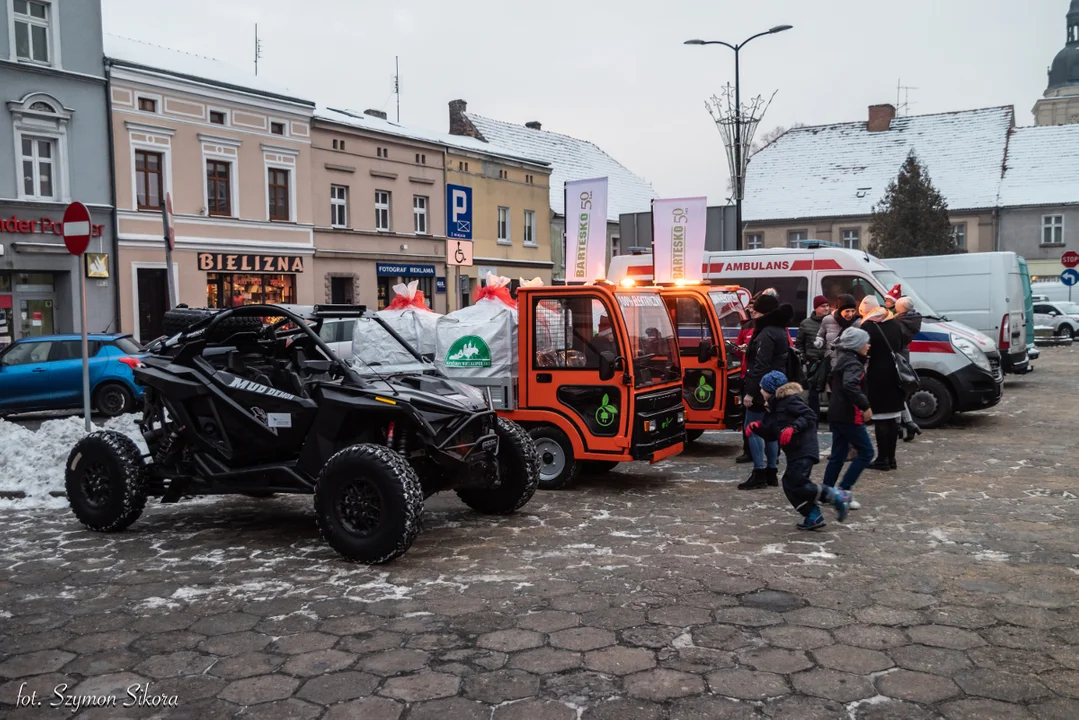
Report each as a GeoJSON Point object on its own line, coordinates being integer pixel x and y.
{"type": "Point", "coordinates": [771, 136]}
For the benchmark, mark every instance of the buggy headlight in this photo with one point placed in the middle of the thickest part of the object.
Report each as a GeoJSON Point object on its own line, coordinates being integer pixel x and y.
{"type": "Point", "coordinates": [972, 351]}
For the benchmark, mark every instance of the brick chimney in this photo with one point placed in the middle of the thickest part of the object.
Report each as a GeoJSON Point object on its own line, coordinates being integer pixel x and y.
{"type": "Point", "coordinates": [880, 117]}
{"type": "Point", "coordinates": [459, 122]}
{"type": "Point", "coordinates": [375, 113]}
{"type": "Point", "coordinates": [533, 125]}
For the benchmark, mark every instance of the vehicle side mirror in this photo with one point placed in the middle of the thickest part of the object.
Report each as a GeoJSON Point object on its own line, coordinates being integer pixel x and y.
{"type": "Point", "coordinates": [608, 362]}
{"type": "Point", "coordinates": [705, 351]}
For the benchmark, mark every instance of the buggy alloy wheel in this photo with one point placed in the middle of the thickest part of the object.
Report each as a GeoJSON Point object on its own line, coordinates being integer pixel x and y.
{"type": "Point", "coordinates": [360, 508]}
{"type": "Point", "coordinates": [104, 479]}
{"type": "Point", "coordinates": [95, 484]}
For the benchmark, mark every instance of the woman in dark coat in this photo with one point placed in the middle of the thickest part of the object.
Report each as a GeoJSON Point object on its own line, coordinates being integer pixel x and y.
{"type": "Point", "coordinates": [885, 393]}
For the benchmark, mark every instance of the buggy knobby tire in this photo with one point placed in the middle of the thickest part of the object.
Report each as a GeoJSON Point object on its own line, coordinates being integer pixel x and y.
{"type": "Point", "coordinates": [598, 467]}
{"type": "Point", "coordinates": [104, 478]}
{"type": "Point", "coordinates": [558, 467]}
{"type": "Point", "coordinates": [518, 473]}
{"type": "Point", "coordinates": [181, 318]}
{"type": "Point", "coordinates": [369, 503]}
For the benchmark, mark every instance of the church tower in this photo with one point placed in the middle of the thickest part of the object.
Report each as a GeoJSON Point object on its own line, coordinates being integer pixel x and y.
{"type": "Point", "coordinates": [1060, 104]}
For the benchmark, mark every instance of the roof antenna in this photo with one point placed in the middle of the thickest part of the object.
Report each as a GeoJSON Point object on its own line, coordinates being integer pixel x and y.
{"type": "Point", "coordinates": [258, 49]}
{"type": "Point", "coordinates": [397, 85]}
{"type": "Point", "coordinates": [902, 98]}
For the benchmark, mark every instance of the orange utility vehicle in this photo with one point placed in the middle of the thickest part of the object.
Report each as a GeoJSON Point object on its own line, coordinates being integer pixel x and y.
{"type": "Point", "coordinates": [707, 321]}
{"type": "Point", "coordinates": [599, 378]}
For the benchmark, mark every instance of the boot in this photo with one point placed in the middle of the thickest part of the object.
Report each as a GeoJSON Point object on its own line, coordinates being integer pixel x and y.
{"type": "Point", "coordinates": [758, 479]}
{"type": "Point", "coordinates": [772, 476]}
{"type": "Point", "coordinates": [883, 461]}
{"type": "Point", "coordinates": [893, 440]}
{"type": "Point", "coordinates": [744, 458]}
{"type": "Point", "coordinates": [910, 430]}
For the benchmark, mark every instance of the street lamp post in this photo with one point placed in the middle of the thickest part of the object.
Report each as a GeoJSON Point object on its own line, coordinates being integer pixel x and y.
{"type": "Point", "coordinates": [738, 120]}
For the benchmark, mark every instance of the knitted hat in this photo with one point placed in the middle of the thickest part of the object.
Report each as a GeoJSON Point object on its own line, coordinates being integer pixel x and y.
{"type": "Point", "coordinates": [845, 302]}
{"type": "Point", "coordinates": [766, 304]}
{"type": "Point", "coordinates": [852, 339]}
{"type": "Point", "coordinates": [818, 301]}
{"type": "Point", "coordinates": [896, 292]}
{"type": "Point", "coordinates": [773, 381]}
{"type": "Point", "coordinates": [868, 305]}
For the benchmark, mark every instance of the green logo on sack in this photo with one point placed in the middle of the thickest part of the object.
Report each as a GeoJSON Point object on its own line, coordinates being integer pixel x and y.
{"type": "Point", "coordinates": [469, 351]}
{"type": "Point", "coordinates": [704, 391]}
{"type": "Point", "coordinates": [606, 413]}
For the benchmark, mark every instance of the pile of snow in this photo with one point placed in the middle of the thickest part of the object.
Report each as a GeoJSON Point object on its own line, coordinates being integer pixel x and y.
{"type": "Point", "coordinates": [32, 462]}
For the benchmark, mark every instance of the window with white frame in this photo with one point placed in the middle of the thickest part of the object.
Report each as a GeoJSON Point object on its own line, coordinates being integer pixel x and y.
{"type": "Point", "coordinates": [32, 31]}
{"type": "Point", "coordinates": [959, 235]}
{"type": "Point", "coordinates": [339, 205]}
{"type": "Point", "coordinates": [419, 214]}
{"type": "Point", "coordinates": [38, 167]}
{"type": "Point", "coordinates": [852, 238]}
{"type": "Point", "coordinates": [382, 210]}
{"type": "Point", "coordinates": [530, 228]}
{"type": "Point", "coordinates": [1052, 229]}
{"type": "Point", "coordinates": [504, 225]}
{"type": "Point", "coordinates": [796, 238]}
{"type": "Point", "coordinates": [754, 241]}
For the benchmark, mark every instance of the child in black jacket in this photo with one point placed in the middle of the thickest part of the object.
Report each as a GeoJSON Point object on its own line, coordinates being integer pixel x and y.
{"type": "Point", "coordinates": [791, 421]}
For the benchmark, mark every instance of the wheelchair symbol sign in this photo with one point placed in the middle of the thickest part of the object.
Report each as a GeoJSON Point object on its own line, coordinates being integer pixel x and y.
{"type": "Point", "coordinates": [459, 252]}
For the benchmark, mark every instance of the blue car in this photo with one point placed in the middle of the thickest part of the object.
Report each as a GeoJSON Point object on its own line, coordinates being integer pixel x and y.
{"type": "Point", "coordinates": [45, 373]}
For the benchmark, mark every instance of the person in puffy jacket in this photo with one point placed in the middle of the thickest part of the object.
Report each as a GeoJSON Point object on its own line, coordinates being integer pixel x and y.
{"type": "Point", "coordinates": [832, 326]}
{"type": "Point", "coordinates": [848, 411]}
{"type": "Point", "coordinates": [767, 351]}
{"type": "Point", "coordinates": [793, 424]}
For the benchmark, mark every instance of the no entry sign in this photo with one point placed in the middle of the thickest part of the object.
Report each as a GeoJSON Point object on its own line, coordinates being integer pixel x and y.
{"type": "Point", "coordinates": [76, 228]}
{"type": "Point", "coordinates": [1069, 259]}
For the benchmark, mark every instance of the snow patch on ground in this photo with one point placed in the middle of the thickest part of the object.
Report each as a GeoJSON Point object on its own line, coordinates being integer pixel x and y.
{"type": "Point", "coordinates": [33, 461]}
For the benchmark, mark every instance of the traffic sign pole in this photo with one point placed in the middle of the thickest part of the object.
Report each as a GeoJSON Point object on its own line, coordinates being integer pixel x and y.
{"type": "Point", "coordinates": [76, 224]}
{"type": "Point", "coordinates": [170, 239]}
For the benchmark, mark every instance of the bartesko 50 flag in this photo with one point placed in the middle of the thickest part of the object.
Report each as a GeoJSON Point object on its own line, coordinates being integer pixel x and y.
{"type": "Point", "coordinates": [678, 230]}
{"type": "Point", "coordinates": [586, 230]}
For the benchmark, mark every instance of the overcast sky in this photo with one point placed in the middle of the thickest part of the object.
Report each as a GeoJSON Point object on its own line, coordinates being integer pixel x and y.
{"type": "Point", "coordinates": [615, 72]}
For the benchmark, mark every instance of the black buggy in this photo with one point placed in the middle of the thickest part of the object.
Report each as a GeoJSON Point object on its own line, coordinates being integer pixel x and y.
{"type": "Point", "coordinates": [251, 400]}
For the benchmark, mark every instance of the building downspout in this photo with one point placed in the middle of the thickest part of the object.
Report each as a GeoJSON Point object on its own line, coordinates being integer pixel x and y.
{"type": "Point", "coordinates": [112, 191]}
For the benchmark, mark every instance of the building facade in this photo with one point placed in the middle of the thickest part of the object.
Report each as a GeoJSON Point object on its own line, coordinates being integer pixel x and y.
{"type": "Point", "coordinates": [379, 210]}
{"type": "Point", "coordinates": [234, 156]}
{"type": "Point", "coordinates": [53, 150]}
{"type": "Point", "coordinates": [1060, 103]}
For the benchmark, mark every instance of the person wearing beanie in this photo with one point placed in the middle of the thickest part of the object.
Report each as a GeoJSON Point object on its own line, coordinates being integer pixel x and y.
{"type": "Point", "coordinates": [791, 423]}
{"type": "Point", "coordinates": [844, 315]}
{"type": "Point", "coordinates": [884, 390]}
{"type": "Point", "coordinates": [848, 411]}
{"type": "Point", "coordinates": [811, 354]}
{"type": "Point", "coordinates": [767, 351]}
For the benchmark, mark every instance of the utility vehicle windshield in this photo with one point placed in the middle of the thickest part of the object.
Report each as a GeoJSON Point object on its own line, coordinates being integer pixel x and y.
{"type": "Point", "coordinates": [730, 312]}
{"type": "Point", "coordinates": [653, 350]}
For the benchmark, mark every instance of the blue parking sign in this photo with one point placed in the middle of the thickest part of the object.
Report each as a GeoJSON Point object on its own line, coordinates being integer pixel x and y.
{"type": "Point", "coordinates": [459, 212]}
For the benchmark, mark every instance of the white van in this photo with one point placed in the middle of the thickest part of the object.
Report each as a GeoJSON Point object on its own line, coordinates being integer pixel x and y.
{"type": "Point", "coordinates": [982, 290]}
{"type": "Point", "coordinates": [959, 367]}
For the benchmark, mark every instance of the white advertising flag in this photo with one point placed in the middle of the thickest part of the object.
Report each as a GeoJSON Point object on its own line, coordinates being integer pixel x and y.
{"type": "Point", "coordinates": [586, 230]}
{"type": "Point", "coordinates": [678, 231]}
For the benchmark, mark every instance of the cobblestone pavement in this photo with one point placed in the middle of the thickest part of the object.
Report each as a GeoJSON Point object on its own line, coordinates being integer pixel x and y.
{"type": "Point", "coordinates": [654, 592]}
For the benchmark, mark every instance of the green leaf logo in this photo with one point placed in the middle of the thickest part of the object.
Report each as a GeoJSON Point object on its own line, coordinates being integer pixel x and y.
{"type": "Point", "coordinates": [606, 413]}
{"type": "Point", "coordinates": [468, 351]}
{"type": "Point", "coordinates": [704, 391]}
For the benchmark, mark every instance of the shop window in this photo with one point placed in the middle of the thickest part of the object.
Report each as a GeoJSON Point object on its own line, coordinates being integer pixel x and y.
{"type": "Point", "coordinates": [571, 333]}
{"type": "Point", "coordinates": [426, 285]}
{"type": "Point", "coordinates": [148, 179]}
{"type": "Point", "coordinates": [236, 290]}
{"type": "Point", "coordinates": [218, 187]}
{"type": "Point", "coordinates": [32, 31]}
{"type": "Point", "coordinates": [419, 214]}
{"type": "Point", "coordinates": [38, 167]}
{"type": "Point", "coordinates": [339, 205]}
{"type": "Point", "coordinates": [279, 194]}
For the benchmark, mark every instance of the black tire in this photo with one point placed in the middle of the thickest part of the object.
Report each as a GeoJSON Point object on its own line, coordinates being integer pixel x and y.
{"type": "Point", "coordinates": [181, 318]}
{"type": "Point", "coordinates": [932, 403]}
{"type": "Point", "coordinates": [558, 467]}
{"type": "Point", "coordinates": [105, 477]}
{"type": "Point", "coordinates": [112, 399]}
{"type": "Point", "coordinates": [597, 467]}
{"type": "Point", "coordinates": [369, 503]}
{"type": "Point", "coordinates": [693, 435]}
{"type": "Point", "coordinates": [518, 473]}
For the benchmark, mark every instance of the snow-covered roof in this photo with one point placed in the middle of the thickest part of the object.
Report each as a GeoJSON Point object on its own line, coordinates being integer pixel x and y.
{"type": "Point", "coordinates": [136, 53]}
{"type": "Point", "coordinates": [571, 159]}
{"type": "Point", "coordinates": [1042, 167]}
{"type": "Point", "coordinates": [843, 170]}
{"type": "Point", "coordinates": [373, 123]}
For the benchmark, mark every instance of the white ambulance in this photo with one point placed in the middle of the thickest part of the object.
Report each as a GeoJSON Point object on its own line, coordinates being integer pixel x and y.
{"type": "Point", "coordinates": [959, 367]}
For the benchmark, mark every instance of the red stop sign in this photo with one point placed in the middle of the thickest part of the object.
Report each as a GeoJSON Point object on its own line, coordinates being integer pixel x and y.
{"type": "Point", "coordinates": [76, 228]}
{"type": "Point", "coordinates": [1069, 259]}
